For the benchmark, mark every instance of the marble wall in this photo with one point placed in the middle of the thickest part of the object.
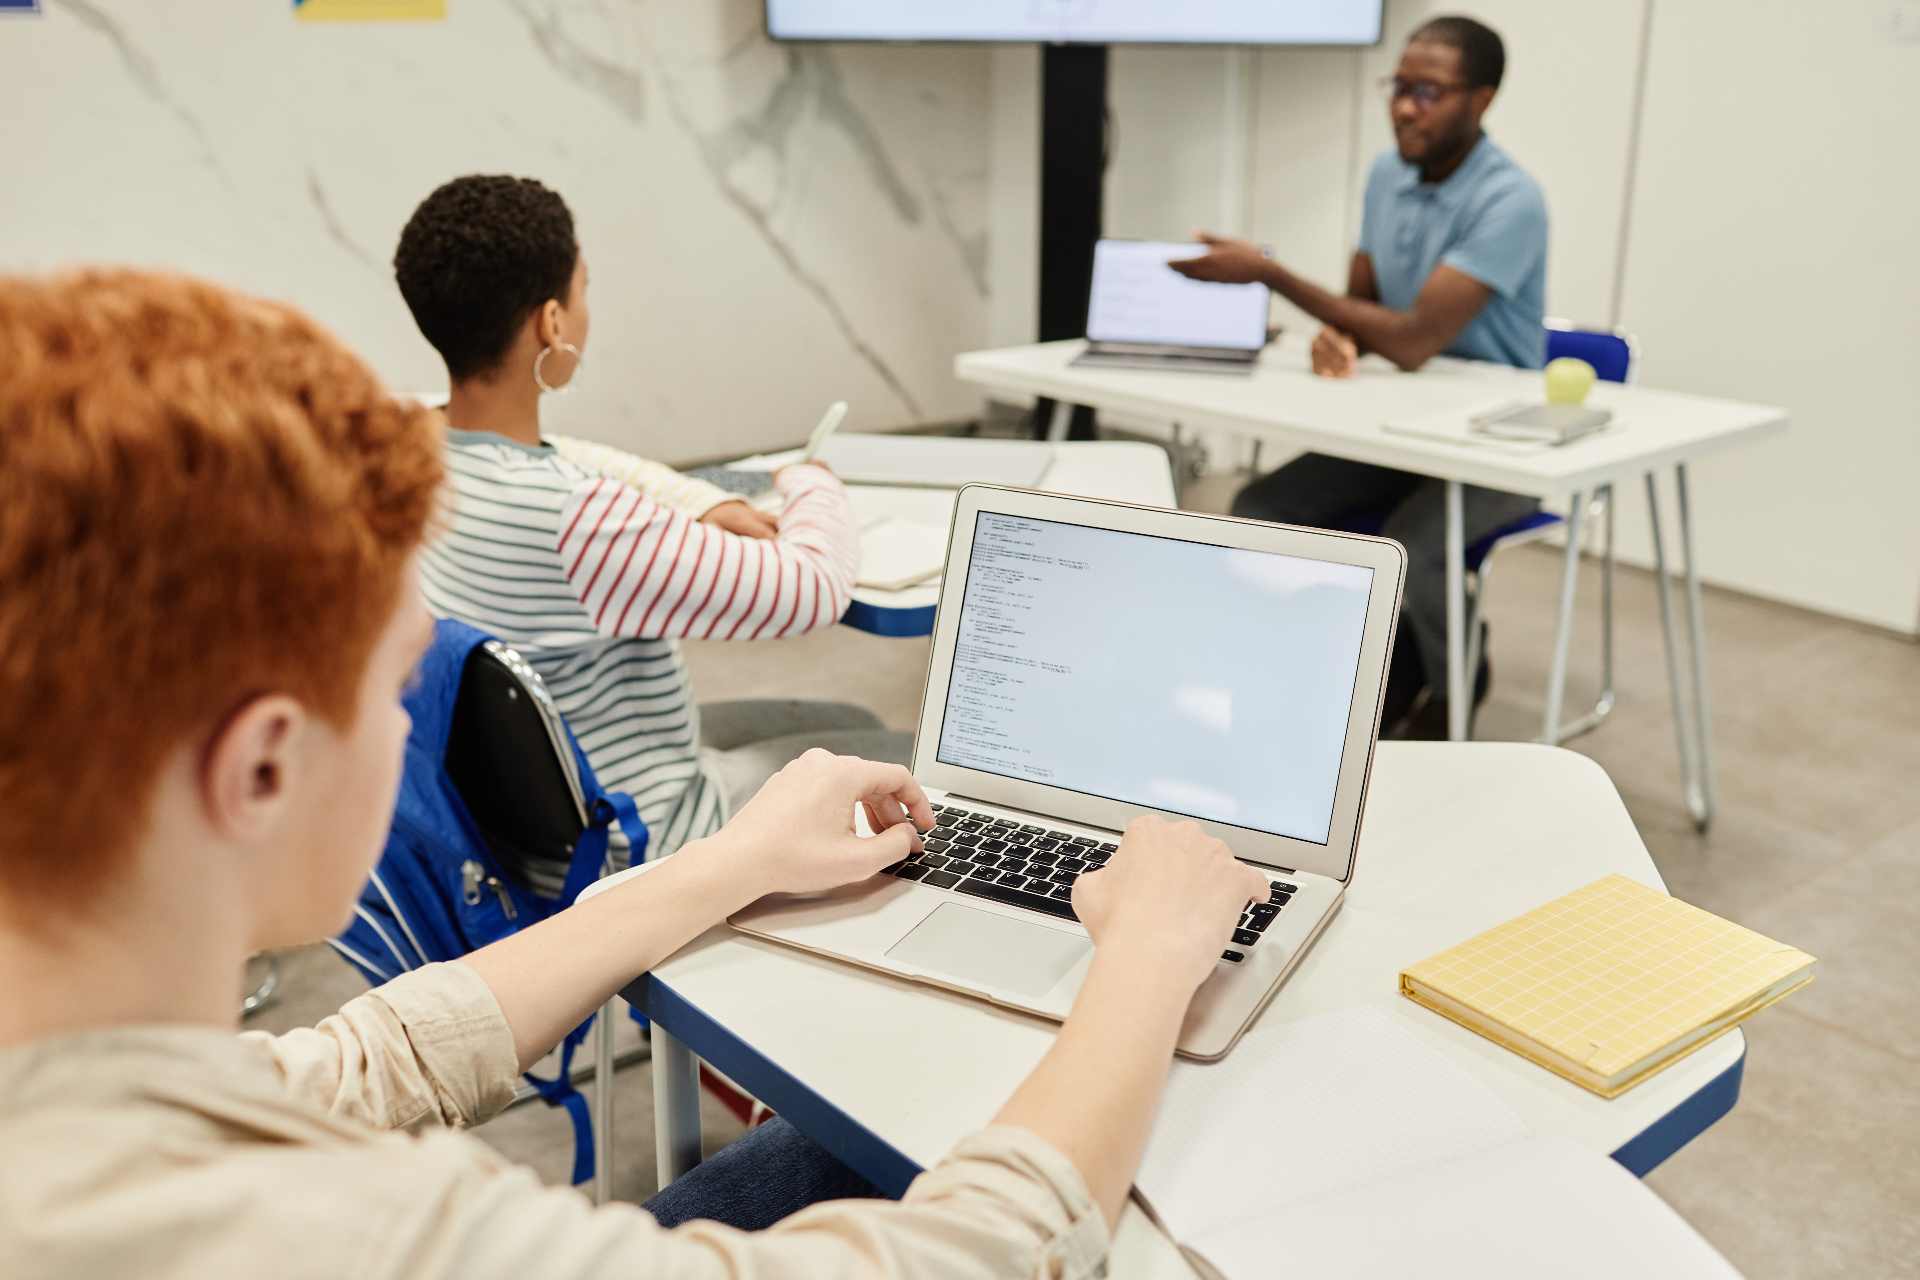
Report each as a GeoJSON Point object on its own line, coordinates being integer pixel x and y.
{"type": "Point", "coordinates": [767, 226]}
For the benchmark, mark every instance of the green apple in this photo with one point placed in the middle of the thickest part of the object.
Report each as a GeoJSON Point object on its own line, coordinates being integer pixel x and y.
{"type": "Point", "coordinates": [1568, 380]}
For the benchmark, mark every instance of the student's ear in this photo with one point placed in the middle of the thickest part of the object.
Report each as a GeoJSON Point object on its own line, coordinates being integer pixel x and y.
{"type": "Point", "coordinates": [1482, 99]}
{"type": "Point", "coordinates": [546, 324]}
{"type": "Point", "coordinates": [246, 781]}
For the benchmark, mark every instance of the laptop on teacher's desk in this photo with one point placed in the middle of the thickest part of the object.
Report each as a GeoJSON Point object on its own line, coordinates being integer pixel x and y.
{"type": "Point", "coordinates": [1142, 314]}
{"type": "Point", "coordinates": [1095, 661]}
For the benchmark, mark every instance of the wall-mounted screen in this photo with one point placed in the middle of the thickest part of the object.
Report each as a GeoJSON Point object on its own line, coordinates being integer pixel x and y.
{"type": "Point", "coordinates": [1346, 22]}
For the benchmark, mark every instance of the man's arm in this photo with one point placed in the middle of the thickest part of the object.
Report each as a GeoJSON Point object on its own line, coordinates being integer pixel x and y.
{"type": "Point", "coordinates": [1159, 913]}
{"type": "Point", "coordinates": [1023, 1198]}
{"type": "Point", "coordinates": [1446, 304]}
{"type": "Point", "coordinates": [1360, 280]}
{"type": "Point", "coordinates": [795, 836]}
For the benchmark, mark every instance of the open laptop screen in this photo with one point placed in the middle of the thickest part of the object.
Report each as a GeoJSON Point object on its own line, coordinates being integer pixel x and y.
{"type": "Point", "coordinates": [1211, 682]}
{"type": "Point", "coordinates": [1137, 298]}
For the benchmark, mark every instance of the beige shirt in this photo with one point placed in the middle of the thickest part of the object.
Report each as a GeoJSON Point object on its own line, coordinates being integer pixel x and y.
{"type": "Point", "coordinates": [188, 1152]}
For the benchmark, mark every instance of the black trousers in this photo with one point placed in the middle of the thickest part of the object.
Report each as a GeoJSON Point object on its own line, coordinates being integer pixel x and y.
{"type": "Point", "coordinates": [1332, 493]}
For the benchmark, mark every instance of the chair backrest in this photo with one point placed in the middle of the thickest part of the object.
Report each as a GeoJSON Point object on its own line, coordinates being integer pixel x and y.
{"type": "Point", "coordinates": [1609, 351]}
{"type": "Point", "coordinates": [509, 756]}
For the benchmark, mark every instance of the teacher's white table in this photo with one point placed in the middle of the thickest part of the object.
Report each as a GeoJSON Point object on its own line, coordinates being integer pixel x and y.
{"type": "Point", "coordinates": [889, 1075]}
{"type": "Point", "coordinates": [1653, 431]}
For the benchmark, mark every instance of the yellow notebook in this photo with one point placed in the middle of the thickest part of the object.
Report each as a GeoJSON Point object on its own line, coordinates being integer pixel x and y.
{"type": "Point", "coordinates": [1608, 984]}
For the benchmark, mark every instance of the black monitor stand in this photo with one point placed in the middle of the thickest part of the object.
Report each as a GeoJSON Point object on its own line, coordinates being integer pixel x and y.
{"type": "Point", "coordinates": [1073, 162]}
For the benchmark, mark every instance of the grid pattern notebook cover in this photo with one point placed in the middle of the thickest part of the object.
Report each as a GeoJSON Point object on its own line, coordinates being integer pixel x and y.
{"type": "Point", "coordinates": [1608, 984]}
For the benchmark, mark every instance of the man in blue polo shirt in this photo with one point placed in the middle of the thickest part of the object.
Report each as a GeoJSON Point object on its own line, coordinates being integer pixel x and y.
{"type": "Point", "coordinates": [1453, 260]}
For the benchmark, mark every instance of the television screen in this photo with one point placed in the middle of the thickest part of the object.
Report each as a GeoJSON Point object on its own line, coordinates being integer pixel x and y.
{"type": "Point", "coordinates": [1349, 22]}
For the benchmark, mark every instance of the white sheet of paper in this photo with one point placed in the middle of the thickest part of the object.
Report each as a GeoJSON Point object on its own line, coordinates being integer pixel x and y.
{"type": "Point", "coordinates": [1306, 1109]}
{"type": "Point", "coordinates": [1533, 1207]}
{"type": "Point", "coordinates": [896, 553]}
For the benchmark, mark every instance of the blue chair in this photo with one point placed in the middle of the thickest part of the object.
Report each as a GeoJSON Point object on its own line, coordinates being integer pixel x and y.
{"type": "Point", "coordinates": [1610, 352]}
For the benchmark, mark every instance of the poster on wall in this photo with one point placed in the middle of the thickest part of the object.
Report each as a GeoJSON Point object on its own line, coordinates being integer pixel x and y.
{"type": "Point", "coordinates": [19, 6]}
{"type": "Point", "coordinates": [369, 10]}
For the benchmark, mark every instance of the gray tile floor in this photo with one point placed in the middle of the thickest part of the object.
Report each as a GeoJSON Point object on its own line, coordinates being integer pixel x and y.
{"type": "Point", "coordinates": [1817, 1171]}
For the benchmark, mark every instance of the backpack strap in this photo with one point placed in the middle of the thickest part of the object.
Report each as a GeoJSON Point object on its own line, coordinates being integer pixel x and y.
{"type": "Point", "coordinates": [627, 814]}
{"type": "Point", "coordinates": [559, 1091]}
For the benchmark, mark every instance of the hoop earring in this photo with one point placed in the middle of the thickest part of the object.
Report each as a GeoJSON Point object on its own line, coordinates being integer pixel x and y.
{"type": "Point", "coordinates": [540, 359]}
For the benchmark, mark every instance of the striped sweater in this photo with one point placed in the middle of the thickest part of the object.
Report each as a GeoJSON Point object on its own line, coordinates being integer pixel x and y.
{"type": "Point", "coordinates": [594, 581]}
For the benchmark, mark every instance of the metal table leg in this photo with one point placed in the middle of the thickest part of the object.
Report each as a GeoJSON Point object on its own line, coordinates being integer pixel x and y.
{"type": "Point", "coordinates": [1059, 424]}
{"type": "Point", "coordinates": [676, 1106]}
{"type": "Point", "coordinates": [1663, 587]}
{"type": "Point", "coordinates": [603, 1102]}
{"type": "Point", "coordinates": [1458, 694]}
{"type": "Point", "coordinates": [1701, 799]}
{"type": "Point", "coordinates": [1563, 629]}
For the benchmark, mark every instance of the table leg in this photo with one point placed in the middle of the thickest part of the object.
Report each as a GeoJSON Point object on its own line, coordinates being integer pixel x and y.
{"type": "Point", "coordinates": [603, 1102]}
{"type": "Point", "coordinates": [1563, 630]}
{"type": "Point", "coordinates": [1061, 421]}
{"type": "Point", "coordinates": [1663, 588]}
{"type": "Point", "coordinates": [1702, 800]}
{"type": "Point", "coordinates": [676, 1106]}
{"type": "Point", "coordinates": [1458, 693]}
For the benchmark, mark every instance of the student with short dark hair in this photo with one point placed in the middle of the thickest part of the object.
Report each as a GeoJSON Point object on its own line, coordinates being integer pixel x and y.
{"type": "Point", "coordinates": [210, 521]}
{"type": "Point", "coordinates": [1452, 260]}
{"type": "Point", "coordinates": [595, 578]}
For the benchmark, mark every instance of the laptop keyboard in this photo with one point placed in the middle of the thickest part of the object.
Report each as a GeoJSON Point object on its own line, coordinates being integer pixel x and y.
{"type": "Point", "coordinates": [1024, 865]}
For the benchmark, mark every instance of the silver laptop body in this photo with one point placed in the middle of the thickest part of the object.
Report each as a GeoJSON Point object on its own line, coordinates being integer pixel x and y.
{"type": "Point", "coordinates": [1093, 661]}
{"type": "Point", "coordinates": [1141, 314]}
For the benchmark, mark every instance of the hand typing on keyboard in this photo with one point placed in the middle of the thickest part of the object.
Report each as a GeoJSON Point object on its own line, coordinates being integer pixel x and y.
{"type": "Point", "coordinates": [1172, 892]}
{"type": "Point", "coordinates": [796, 835]}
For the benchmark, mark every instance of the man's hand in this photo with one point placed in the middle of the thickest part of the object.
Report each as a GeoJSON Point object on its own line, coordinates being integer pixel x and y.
{"type": "Point", "coordinates": [742, 518]}
{"type": "Point", "coordinates": [1226, 261]}
{"type": "Point", "coordinates": [1172, 892]}
{"type": "Point", "coordinates": [1335, 355]}
{"type": "Point", "coordinates": [797, 834]}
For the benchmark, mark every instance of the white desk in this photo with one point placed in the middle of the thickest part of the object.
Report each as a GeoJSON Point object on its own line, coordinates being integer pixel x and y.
{"type": "Point", "coordinates": [1283, 401]}
{"type": "Point", "coordinates": [1125, 472]}
{"type": "Point", "coordinates": [889, 1075]}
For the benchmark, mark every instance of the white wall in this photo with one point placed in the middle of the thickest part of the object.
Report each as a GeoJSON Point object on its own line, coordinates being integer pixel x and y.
{"type": "Point", "coordinates": [1773, 257]}
{"type": "Point", "coordinates": [1758, 239]}
{"type": "Point", "coordinates": [768, 227]}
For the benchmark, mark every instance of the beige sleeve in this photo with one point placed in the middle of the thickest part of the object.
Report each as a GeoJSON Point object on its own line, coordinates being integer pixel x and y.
{"type": "Point", "coordinates": [430, 1046]}
{"type": "Point", "coordinates": [1002, 1206]}
{"type": "Point", "coordinates": [669, 488]}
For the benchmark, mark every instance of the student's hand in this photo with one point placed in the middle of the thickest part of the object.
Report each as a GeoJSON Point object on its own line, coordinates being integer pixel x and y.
{"type": "Point", "coordinates": [1226, 261]}
{"type": "Point", "coordinates": [742, 518]}
{"type": "Point", "coordinates": [1172, 893]}
{"type": "Point", "coordinates": [797, 834]}
{"type": "Point", "coordinates": [1335, 355]}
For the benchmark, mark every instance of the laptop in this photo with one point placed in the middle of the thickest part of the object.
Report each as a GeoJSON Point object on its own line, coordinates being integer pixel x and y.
{"type": "Point", "coordinates": [1094, 661]}
{"type": "Point", "coordinates": [1142, 314]}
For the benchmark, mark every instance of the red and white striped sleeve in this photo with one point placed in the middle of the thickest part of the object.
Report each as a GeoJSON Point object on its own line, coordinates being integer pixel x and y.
{"type": "Point", "coordinates": [643, 570]}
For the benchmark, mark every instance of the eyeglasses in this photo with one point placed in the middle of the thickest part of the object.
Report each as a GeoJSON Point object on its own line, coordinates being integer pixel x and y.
{"type": "Point", "coordinates": [1423, 92]}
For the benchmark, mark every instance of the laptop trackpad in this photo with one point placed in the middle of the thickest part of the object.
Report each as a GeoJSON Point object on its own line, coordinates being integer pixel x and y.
{"type": "Point", "coordinates": [981, 949]}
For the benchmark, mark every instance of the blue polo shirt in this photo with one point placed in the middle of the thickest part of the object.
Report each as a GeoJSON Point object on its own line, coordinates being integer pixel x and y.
{"type": "Point", "coordinates": [1487, 219]}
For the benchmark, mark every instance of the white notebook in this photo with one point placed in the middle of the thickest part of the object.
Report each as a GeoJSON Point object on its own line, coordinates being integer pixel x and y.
{"type": "Point", "coordinates": [896, 554]}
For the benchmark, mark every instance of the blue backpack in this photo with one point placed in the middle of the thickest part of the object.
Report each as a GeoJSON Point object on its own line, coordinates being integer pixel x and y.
{"type": "Point", "coordinates": [446, 883]}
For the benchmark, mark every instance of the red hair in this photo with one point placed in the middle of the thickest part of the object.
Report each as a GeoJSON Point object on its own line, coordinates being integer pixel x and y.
{"type": "Point", "coordinates": [203, 497]}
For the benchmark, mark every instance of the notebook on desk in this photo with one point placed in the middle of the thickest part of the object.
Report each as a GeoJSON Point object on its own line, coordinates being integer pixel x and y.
{"type": "Point", "coordinates": [1608, 984]}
